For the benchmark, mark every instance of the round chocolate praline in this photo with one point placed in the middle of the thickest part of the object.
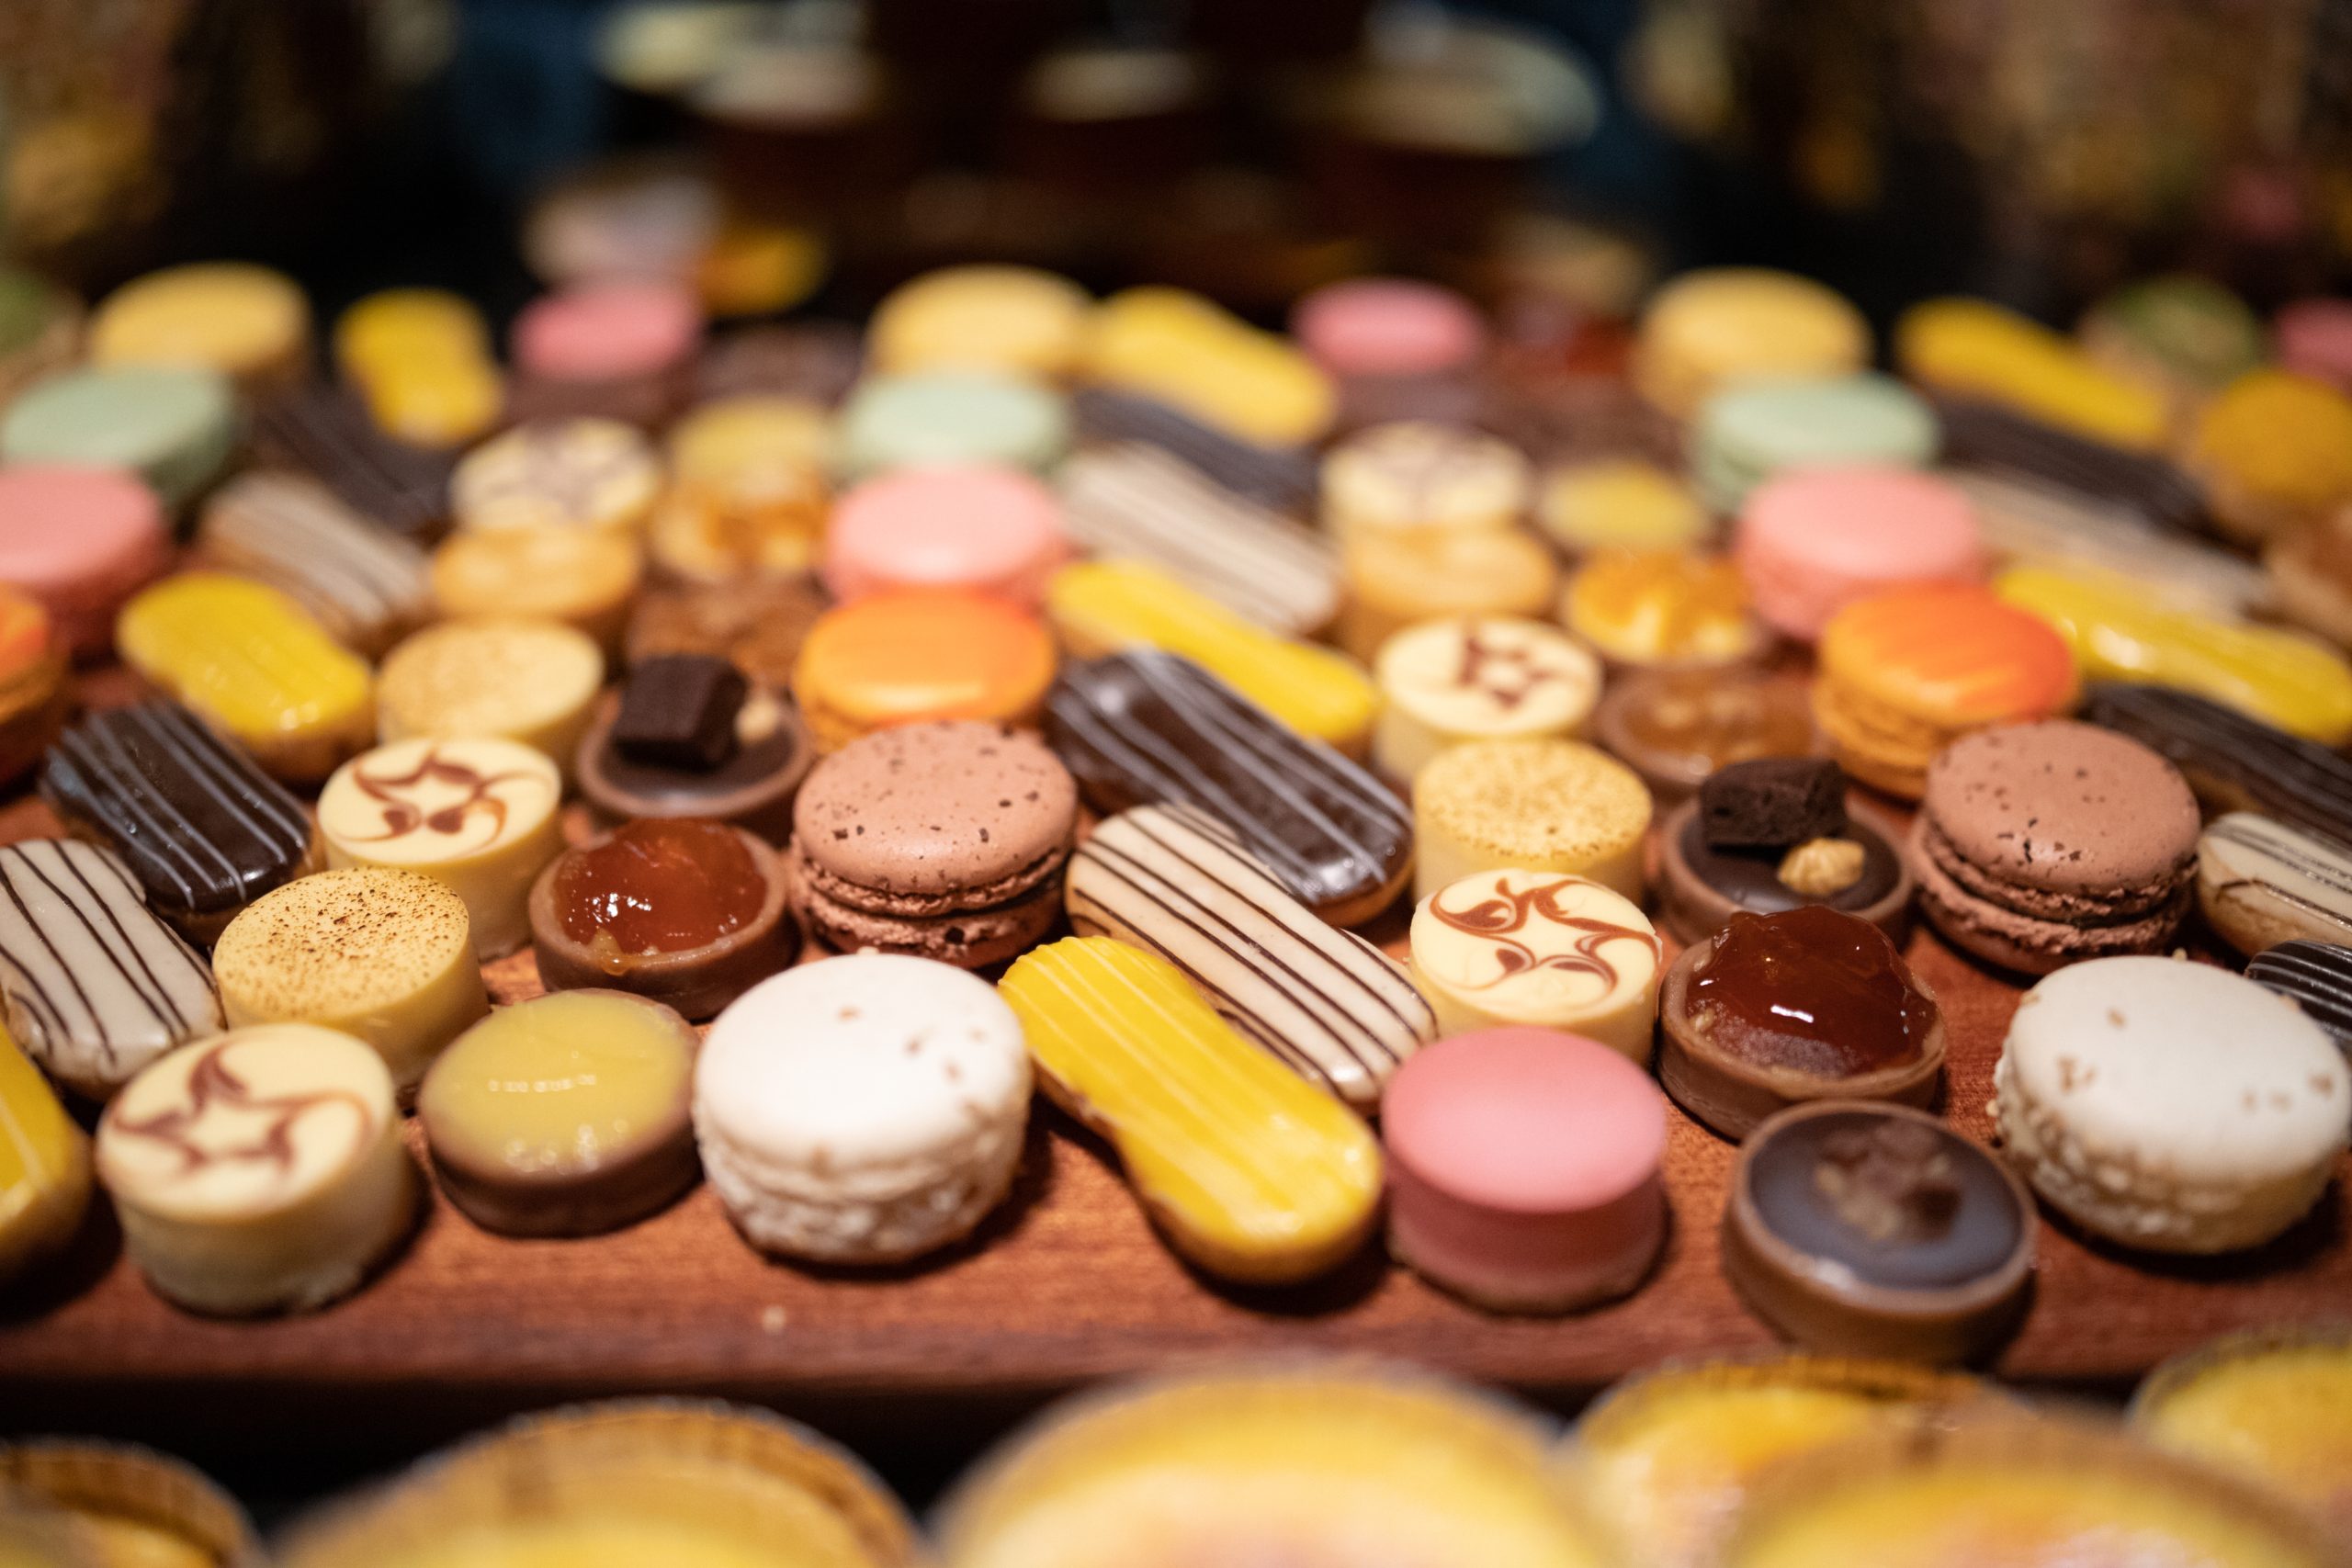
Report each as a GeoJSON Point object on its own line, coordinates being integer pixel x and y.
{"type": "Point", "coordinates": [1862, 1229]}
{"type": "Point", "coordinates": [1807, 1004]}
{"type": "Point", "coordinates": [1701, 886]}
{"type": "Point", "coordinates": [697, 980]}
{"type": "Point", "coordinates": [754, 789]}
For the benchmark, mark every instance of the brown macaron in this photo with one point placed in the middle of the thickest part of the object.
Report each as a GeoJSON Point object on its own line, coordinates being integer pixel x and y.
{"type": "Point", "coordinates": [944, 841]}
{"type": "Point", "coordinates": [2038, 845]}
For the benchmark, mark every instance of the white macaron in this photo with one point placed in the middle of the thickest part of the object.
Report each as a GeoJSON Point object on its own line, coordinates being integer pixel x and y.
{"type": "Point", "coordinates": [2171, 1106]}
{"type": "Point", "coordinates": [862, 1110]}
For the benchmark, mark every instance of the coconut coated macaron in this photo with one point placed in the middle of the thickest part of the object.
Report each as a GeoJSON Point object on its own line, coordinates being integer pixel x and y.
{"type": "Point", "coordinates": [2170, 1105]}
{"type": "Point", "coordinates": [941, 840]}
{"type": "Point", "coordinates": [2040, 844]}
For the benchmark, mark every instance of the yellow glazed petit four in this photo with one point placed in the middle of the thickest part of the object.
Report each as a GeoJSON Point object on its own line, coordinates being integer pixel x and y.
{"type": "Point", "coordinates": [1972, 348]}
{"type": "Point", "coordinates": [981, 318]}
{"type": "Point", "coordinates": [1253, 1173]}
{"type": "Point", "coordinates": [44, 1166]}
{"type": "Point", "coordinates": [249, 661]}
{"type": "Point", "coordinates": [1186, 352]}
{"type": "Point", "coordinates": [2274, 1406]}
{"type": "Point", "coordinates": [248, 323]}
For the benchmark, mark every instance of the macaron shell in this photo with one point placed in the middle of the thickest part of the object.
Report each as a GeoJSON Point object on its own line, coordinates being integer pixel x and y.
{"type": "Point", "coordinates": [1812, 540]}
{"type": "Point", "coordinates": [1949, 655]}
{"type": "Point", "coordinates": [917, 654]}
{"type": "Point", "coordinates": [993, 530]}
{"type": "Point", "coordinates": [606, 330]}
{"type": "Point", "coordinates": [80, 540]}
{"type": "Point", "coordinates": [1384, 326]}
{"type": "Point", "coordinates": [2065, 809]}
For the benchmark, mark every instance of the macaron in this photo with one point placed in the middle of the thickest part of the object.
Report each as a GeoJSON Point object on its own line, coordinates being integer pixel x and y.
{"type": "Point", "coordinates": [991, 529]}
{"type": "Point", "coordinates": [2170, 1105]}
{"type": "Point", "coordinates": [247, 322]}
{"type": "Point", "coordinates": [2181, 337]}
{"type": "Point", "coordinates": [1524, 1170]}
{"type": "Point", "coordinates": [1717, 325]}
{"type": "Point", "coordinates": [1813, 540]}
{"type": "Point", "coordinates": [1672, 608]}
{"type": "Point", "coordinates": [80, 541]}
{"type": "Point", "coordinates": [1532, 804]}
{"type": "Point", "coordinates": [951, 416]}
{"type": "Point", "coordinates": [862, 1110]}
{"type": "Point", "coordinates": [1747, 433]}
{"type": "Point", "coordinates": [1624, 502]}
{"type": "Point", "coordinates": [2314, 338]}
{"type": "Point", "coordinates": [1902, 674]}
{"type": "Point", "coordinates": [171, 425]}
{"type": "Point", "coordinates": [1387, 326]}
{"type": "Point", "coordinates": [2038, 845]}
{"type": "Point", "coordinates": [2274, 450]}
{"type": "Point", "coordinates": [1396, 581]}
{"type": "Point", "coordinates": [944, 841]}
{"type": "Point", "coordinates": [1013, 319]}
{"type": "Point", "coordinates": [606, 331]}
{"type": "Point", "coordinates": [917, 654]}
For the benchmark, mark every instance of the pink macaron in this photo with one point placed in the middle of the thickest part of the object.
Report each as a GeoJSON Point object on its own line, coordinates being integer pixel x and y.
{"type": "Point", "coordinates": [1811, 541]}
{"type": "Point", "coordinates": [2314, 339]}
{"type": "Point", "coordinates": [81, 540]}
{"type": "Point", "coordinates": [1523, 1168]}
{"type": "Point", "coordinates": [607, 331]}
{"type": "Point", "coordinates": [1388, 326]}
{"type": "Point", "coordinates": [981, 526]}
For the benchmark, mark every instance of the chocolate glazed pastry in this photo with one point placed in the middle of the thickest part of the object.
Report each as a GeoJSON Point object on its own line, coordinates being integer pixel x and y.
{"type": "Point", "coordinates": [687, 736]}
{"type": "Point", "coordinates": [1773, 834]}
{"type": "Point", "coordinates": [325, 432]}
{"type": "Point", "coordinates": [203, 829]}
{"type": "Point", "coordinates": [687, 912]}
{"type": "Point", "coordinates": [1808, 1004]}
{"type": "Point", "coordinates": [2233, 762]}
{"type": "Point", "coordinates": [1980, 435]}
{"type": "Point", "coordinates": [1874, 1230]}
{"type": "Point", "coordinates": [1144, 727]}
{"type": "Point", "coordinates": [1284, 481]}
{"type": "Point", "coordinates": [2318, 977]}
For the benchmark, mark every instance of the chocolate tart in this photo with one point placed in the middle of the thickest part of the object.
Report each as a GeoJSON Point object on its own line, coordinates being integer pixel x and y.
{"type": "Point", "coordinates": [1871, 1229]}
{"type": "Point", "coordinates": [1700, 887]}
{"type": "Point", "coordinates": [1894, 1054]}
{"type": "Point", "coordinates": [753, 788]}
{"type": "Point", "coordinates": [697, 980]}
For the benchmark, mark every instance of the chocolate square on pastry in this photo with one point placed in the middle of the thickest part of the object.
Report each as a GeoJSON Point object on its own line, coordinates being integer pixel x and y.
{"type": "Point", "coordinates": [1773, 803]}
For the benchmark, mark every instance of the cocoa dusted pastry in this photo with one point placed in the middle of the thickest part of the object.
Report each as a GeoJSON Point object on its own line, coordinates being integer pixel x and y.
{"type": "Point", "coordinates": [1773, 834]}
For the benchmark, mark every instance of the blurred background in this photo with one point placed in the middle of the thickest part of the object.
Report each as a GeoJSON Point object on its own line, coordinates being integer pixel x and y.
{"type": "Point", "coordinates": [811, 152]}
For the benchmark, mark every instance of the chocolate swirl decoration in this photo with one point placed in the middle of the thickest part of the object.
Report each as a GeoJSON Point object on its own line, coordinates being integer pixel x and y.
{"type": "Point", "coordinates": [403, 816]}
{"type": "Point", "coordinates": [211, 1084]}
{"type": "Point", "coordinates": [1495, 920]}
{"type": "Point", "coordinates": [1478, 658]}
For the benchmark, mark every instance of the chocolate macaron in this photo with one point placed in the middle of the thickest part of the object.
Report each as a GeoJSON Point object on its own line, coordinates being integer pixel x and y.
{"type": "Point", "coordinates": [941, 840]}
{"type": "Point", "coordinates": [2038, 845]}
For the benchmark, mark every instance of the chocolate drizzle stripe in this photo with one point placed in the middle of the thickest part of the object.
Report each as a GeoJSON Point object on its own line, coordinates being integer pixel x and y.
{"type": "Point", "coordinates": [2310, 860]}
{"type": "Point", "coordinates": [316, 541]}
{"type": "Point", "coordinates": [125, 948]}
{"type": "Point", "coordinates": [54, 984]}
{"type": "Point", "coordinates": [1494, 920]}
{"type": "Point", "coordinates": [325, 432]}
{"type": "Point", "coordinates": [211, 1082]}
{"type": "Point", "coordinates": [2318, 975]}
{"type": "Point", "coordinates": [403, 818]}
{"type": "Point", "coordinates": [2294, 779]}
{"type": "Point", "coordinates": [1285, 480]}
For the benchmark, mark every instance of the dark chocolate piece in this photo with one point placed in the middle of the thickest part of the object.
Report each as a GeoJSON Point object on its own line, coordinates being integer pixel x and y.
{"type": "Point", "coordinates": [1144, 727]}
{"type": "Point", "coordinates": [678, 711]}
{"type": "Point", "coordinates": [201, 827]}
{"type": "Point", "coordinates": [1875, 1230]}
{"type": "Point", "coordinates": [2317, 975]}
{"type": "Point", "coordinates": [2234, 761]}
{"type": "Point", "coordinates": [1285, 481]}
{"type": "Point", "coordinates": [1995, 440]}
{"type": "Point", "coordinates": [324, 431]}
{"type": "Point", "coordinates": [820, 361]}
{"type": "Point", "coordinates": [1773, 803]}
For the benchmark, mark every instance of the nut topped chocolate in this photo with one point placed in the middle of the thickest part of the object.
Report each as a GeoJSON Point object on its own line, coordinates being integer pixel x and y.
{"type": "Point", "coordinates": [1772, 834]}
{"type": "Point", "coordinates": [1876, 1230]}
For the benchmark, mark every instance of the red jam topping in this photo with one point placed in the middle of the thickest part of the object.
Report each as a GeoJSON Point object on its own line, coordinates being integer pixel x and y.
{"type": "Point", "coordinates": [659, 885]}
{"type": "Point", "coordinates": [1811, 990]}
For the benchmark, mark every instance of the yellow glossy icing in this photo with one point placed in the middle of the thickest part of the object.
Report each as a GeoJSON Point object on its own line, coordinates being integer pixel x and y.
{"type": "Point", "coordinates": [1185, 351]}
{"type": "Point", "coordinates": [1974, 349]}
{"type": "Point", "coordinates": [2119, 633]}
{"type": "Point", "coordinates": [44, 1165]}
{"type": "Point", "coordinates": [565, 1082]}
{"type": "Point", "coordinates": [589, 1541]}
{"type": "Point", "coordinates": [1661, 607]}
{"type": "Point", "coordinates": [1254, 1174]}
{"type": "Point", "coordinates": [231, 317]}
{"type": "Point", "coordinates": [1621, 502]}
{"type": "Point", "coordinates": [249, 658]}
{"type": "Point", "coordinates": [1101, 606]}
{"type": "Point", "coordinates": [436, 403]}
{"type": "Point", "coordinates": [2281, 1415]}
{"type": "Point", "coordinates": [130, 1543]}
{"type": "Point", "coordinates": [401, 326]}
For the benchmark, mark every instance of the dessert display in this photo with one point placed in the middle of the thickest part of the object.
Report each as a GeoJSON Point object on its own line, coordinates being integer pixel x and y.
{"type": "Point", "coordinates": [1139, 501]}
{"type": "Point", "coordinates": [916, 655]}
{"type": "Point", "coordinates": [203, 829]}
{"type": "Point", "coordinates": [1446, 682]}
{"type": "Point", "coordinates": [864, 1109]}
{"type": "Point", "coordinates": [1103, 607]}
{"type": "Point", "coordinates": [563, 1115]}
{"type": "Point", "coordinates": [1315, 1463]}
{"type": "Point", "coordinates": [688, 735]}
{"type": "Point", "coordinates": [1543, 948]}
{"type": "Point", "coordinates": [1815, 541]}
{"type": "Point", "coordinates": [250, 661]}
{"type": "Point", "coordinates": [2261, 883]}
{"type": "Point", "coordinates": [534, 681]}
{"type": "Point", "coordinates": [950, 417]}
{"type": "Point", "coordinates": [1875, 1230]}
{"type": "Point", "coordinates": [171, 427]}
{"type": "Point", "coordinates": [2271, 1405]}
{"type": "Point", "coordinates": [686, 912]}
{"type": "Point", "coordinates": [594, 475]}
{"type": "Point", "coordinates": [260, 1171]}
{"type": "Point", "coordinates": [2102, 864]}
{"type": "Point", "coordinates": [2116, 1106]}
{"type": "Point", "coordinates": [991, 530]}
{"type": "Point", "coordinates": [95, 985]}
{"type": "Point", "coordinates": [378, 952]}
{"type": "Point", "coordinates": [478, 815]}
{"type": "Point", "coordinates": [1252, 1173]}
{"type": "Point", "coordinates": [44, 1167]}
{"type": "Point", "coordinates": [1175, 881]}
{"type": "Point", "coordinates": [1553, 806]}
{"type": "Point", "coordinates": [366, 587]}
{"type": "Point", "coordinates": [1523, 1168]}
{"type": "Point", "coordinates": [1152, 729]}
{"type": "Point", "coordinates": [1810, 1003]}
{"type": "Point", "coordinates": [1772, 834]}
{"type": "Point", "coordinates": [80, 539]}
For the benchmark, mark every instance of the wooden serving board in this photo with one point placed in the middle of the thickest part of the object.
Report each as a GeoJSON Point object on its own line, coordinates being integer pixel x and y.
{"type": "Point", "coordinates": [1066, 1284]}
